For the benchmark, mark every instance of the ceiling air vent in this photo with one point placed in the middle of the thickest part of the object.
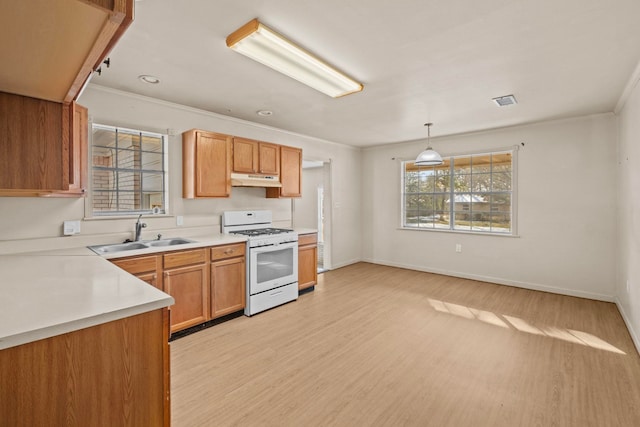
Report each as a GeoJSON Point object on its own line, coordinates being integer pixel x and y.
{"type": "Point", "coordinates": [503, 101]}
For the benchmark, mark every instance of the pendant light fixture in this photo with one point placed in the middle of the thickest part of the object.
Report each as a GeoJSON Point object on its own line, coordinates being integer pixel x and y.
{"type": "Point", "coordinates": [428, 157]}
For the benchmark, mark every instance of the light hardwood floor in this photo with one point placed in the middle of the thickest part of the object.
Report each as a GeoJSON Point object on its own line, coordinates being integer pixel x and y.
{"type": "Point", "coordinates": [382, 346]}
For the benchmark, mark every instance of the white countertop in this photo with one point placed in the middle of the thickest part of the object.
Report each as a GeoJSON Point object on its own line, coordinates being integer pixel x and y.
{"type": "Point", "coordinates": [42, 296]}
{"type": "Point", "coordinates": [305, 231]}
{"type": "Point", "coordinates": [52, 292]}
{"type": "Point", "coordinates": [199, 242]}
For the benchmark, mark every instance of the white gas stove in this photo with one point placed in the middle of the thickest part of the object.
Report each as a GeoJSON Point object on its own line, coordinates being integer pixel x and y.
{"type": "Point", "coordinates": [272, 259]}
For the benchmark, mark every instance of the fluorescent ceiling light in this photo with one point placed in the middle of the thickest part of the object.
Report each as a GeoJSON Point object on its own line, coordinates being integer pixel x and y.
{"type": "Point", "coordinates": [271, 49]}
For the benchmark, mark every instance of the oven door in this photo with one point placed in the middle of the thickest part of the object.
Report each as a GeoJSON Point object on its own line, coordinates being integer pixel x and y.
{"type": "Point", "coordinates": [272, 266]}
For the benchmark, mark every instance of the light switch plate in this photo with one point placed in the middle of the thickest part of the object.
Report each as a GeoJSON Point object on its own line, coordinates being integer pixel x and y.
{"type": "Point", "coordinates": [179, 220]}
{"type": "Point", "coordinates": [71, 227]}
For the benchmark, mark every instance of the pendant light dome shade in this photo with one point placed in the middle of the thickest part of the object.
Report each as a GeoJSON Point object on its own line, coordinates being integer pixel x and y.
{"type": "Point", "coordinates": [428, 157]}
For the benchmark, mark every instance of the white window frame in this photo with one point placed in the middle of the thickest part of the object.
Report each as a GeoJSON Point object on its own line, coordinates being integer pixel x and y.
{"type": "Point", "coordinates": [90, 213]}
{"type": "Point", "coordinates": [514, 194]}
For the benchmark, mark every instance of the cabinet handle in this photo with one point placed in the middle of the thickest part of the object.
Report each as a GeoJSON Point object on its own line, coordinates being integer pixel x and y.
{"type": "Point", "coordinates": [229, 251]}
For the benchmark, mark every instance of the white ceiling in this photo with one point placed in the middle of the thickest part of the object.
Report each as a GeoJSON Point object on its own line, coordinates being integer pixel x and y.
{"type": "Point", "coordinates": [420, 61]}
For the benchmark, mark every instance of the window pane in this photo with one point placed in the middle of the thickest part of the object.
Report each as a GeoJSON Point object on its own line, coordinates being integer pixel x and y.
{"type": "Point", "coordinates": [501, 202]}
{"type": "Point", "coordinates": [152, 161]}
{"type": "Point", "coordinates": [152, 200]}
{"type": "Point", "coordinates": [462, 183]}
{"type": "Point", "coordinates": [427, 181]}
{"type": "Point", "coordinates": [501, 222]}
{"type": "Point", "coordinates": [128, 201]}
{"type": "Point", "coordinates": [152, 143]}
{"type": "Point", "coordinates": [481, 182]}
{"type": "Point", "coordinates": [501, 181]}
{"type": "Point", "coordinates": [502, 162]}
{"type": "Point", "coordinates": [103, 156]}
{"type": "Point", "coordinates": [462, 221]}
{"type": "Point", "coordinates": [128, 140]}
{"type": "Point", "coordinates": [104, 201]}
{"type": "Point", "coordinates": [481, 164]}
{"type": "Point", "coordinates": [411, 217]}
{"type": "Point", "coordinates": [104, 180]}
{"type": "Point", "coordinates": [462, 165]}
{"type": "Point", "coordinates": [152, 182]}
{"type": "Point", "coordinates": [411, 180]}
{"type": "Point", "coordinates": [129, 181]}
{"type": "Point", "coordinates": [104, 137]}
{"type": "Point", "coordinates": [128, 159]}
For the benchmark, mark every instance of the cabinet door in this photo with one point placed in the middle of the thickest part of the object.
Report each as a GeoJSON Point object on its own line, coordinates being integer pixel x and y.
{"type": "Point", "coordinates": [269, 158]}
{"type": "Point", "coordinates": [150, 278]}
{"type": "Point", "coordinates": [213, 165]}
{"type": "Point", "coordinates": [31, 145]}
{"type": "Point", "coordinates": [290, 174]}
{"type": "Point", "coordinates": [307, 266]}
{"type": "Point", "coordinates": [245, 155]}
{"type": "Point", "coordinates": [78, 149]}
{"type": "Point", "coordinates": [227, 286]}
{"type": "Point", "coordinates": [146, 267]}
{"type": "Point", "coordinates": [189, 287]}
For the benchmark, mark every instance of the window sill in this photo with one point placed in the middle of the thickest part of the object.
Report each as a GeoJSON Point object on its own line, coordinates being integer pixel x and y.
{"type": "Point", "coordinates": [467, 233]}
{"type": "Point", "coordinates": [132, 216]}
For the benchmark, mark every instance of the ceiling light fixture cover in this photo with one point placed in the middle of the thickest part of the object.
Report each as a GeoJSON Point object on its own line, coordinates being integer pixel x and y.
{"type": "Point", "coordinates": [264, 45]}
{"type": "Point", "coordinates": [429, 157]}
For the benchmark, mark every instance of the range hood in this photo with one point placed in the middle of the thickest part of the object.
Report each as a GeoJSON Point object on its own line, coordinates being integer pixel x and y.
{"type": "Point", "coordinates": [247, 180]}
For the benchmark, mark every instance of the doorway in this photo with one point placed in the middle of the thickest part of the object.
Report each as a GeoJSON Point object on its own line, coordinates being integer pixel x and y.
{"type": "Point", "coordinates": [312, 210]}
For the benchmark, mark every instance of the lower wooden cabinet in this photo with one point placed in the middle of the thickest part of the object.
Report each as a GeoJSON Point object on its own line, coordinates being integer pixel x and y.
{"type": "Point", "coordinates": [185, 278]}
{"type": "Point", "coordinates": [147, 268]}
{"type": "Point", "coordinates": [206, 283]}
{"type": "Point", "coordinates": [307, 260]}
{"type": "Point", "coordinates": [228, 290]}
{"type": "Point", "coordinates": [112, 374]}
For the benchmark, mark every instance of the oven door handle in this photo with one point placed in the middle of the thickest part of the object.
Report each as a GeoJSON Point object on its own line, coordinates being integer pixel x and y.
{"type": "Point", "coordinates": [272, 248]}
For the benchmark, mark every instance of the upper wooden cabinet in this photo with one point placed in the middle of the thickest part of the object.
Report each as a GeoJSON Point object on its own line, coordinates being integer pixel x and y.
{"type": "Point", "coordinates": [55, 45]}
{"type": "Point", "coordinates": [44, 146]}
{"type": "Point", "coordinates": [291, 174]}
{"type": "Point", "coordinates": [49, 52]}
{"type": "Point", "coordinates": [206, 164]}
{"type": "Point", "coordinates": [259, 157]}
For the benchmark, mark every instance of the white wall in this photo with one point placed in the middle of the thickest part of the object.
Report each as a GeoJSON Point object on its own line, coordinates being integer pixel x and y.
{"type": "Point", "coordinates": [566, 211]}
{"type": "Point", "coordinates": [26, 219]}
{"type": "Point", "coordinates": [306, 207]}
{"type": "Point", "coordinates": [628, 281]}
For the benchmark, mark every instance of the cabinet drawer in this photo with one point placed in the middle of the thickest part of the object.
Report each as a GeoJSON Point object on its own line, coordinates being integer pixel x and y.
{"type": "Point", "coordinates": [183, 258]}
{"type": "Point", "coordinates": [227, 251]}
{"type": "Point", "coordinates": [137, 265]}
{"type": "Point", "coordinates": [307, 239]}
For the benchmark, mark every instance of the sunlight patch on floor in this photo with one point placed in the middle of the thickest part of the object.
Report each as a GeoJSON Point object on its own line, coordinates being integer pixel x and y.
{"type": "Point", "coordinates": [519, 324]}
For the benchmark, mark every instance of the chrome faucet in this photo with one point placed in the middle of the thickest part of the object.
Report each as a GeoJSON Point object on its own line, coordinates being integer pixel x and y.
{"type": "Point", "coordinates": [139, 227]}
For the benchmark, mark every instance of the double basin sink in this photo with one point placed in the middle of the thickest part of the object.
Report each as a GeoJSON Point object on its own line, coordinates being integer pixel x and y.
{"type": "Point", "coordinates": [132, 246]}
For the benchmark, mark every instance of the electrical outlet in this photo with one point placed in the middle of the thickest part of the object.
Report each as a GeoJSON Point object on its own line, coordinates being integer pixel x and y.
{"type": "Point", "coordinates": [458, 247]}
{"type": "Point", "coordinates": [69, 228]}
{"type": "Point", "coordinates": [179, 220]}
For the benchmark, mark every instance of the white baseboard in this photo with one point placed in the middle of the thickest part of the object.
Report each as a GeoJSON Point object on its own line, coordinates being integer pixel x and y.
{"type": "Point", "coordinates": [627, 321]}
{"type": "Point", "coordinates": [345, 263]}
{"type": "Point", "coordinates": [500, 281]}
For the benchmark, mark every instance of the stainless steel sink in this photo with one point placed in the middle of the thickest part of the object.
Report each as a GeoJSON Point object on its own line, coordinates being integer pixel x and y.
{"type": "Point", "coordinates": [169, 242]}
{"type": "Point", "coordinates": [132, 246]}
